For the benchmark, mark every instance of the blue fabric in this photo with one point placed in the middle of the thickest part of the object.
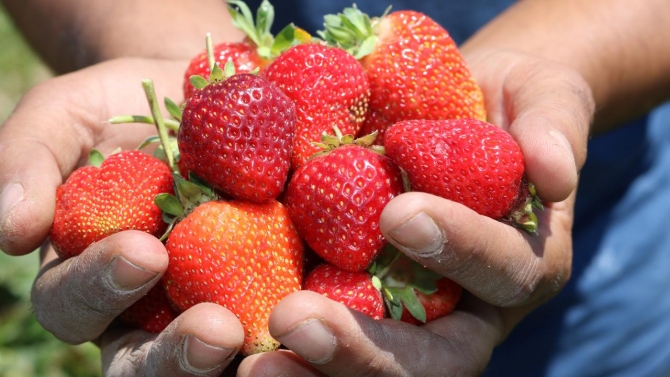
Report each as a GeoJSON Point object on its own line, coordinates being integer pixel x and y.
{"type": "Point", "coordinates": [613, 317]}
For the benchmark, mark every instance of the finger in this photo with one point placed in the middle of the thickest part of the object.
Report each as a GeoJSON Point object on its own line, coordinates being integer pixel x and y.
{"type": "Point", "coordinates": [552, 128]}
{"type": "Point", "coordinates": [202, 341]}
{"type": "Point", "coordinates": [341, 342]}
{"type": "Point", "coordinates": [78, 298]}
{"type": "Point", "coordinates": [51, 132]}
{"type": "Point", "coordinates": [282, 362]}
{"type": "Point", "coordinates": [550, 108]}
{"type": "Point", "coordinates": [495, 261]}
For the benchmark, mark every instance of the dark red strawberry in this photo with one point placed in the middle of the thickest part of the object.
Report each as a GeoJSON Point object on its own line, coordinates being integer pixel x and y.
{"type": "Point", "coordinates": [437, 304]}
{"type": "Point", "coordinates": [356, 290]}
{"type": "Point", "coordinates": [413, 293]}
{"type": "Point", "coordinates": [335, 200]}
{"type": "Point", "coordinates": [96, 202]}
{"type": "Point", "coordinates": [329, 88]}
{"type": "Point", "coordinates": [468, 161]}
{"type": "Point", "coordinates": [237, 135]}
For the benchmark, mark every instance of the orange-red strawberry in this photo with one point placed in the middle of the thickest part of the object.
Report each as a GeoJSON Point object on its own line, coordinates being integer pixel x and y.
{"type": "Point", "coordinates": [329, 88]}
{"type": "Point", "coordinates": [152, 313]}
{"type": "Point", "coordinates": [413, 65]}
{"type": "Point", "coordinates": [237, 135]}
{"type": "Point", "coordinates": [468, 161]}
{"type": "Point", "coordinates": [336, 199]}
{"type": "Point", "coordinates": [96, 202]}
{"type": "Point", "coordinates": [356, 290]}
{"type": "Point", "coordinates": [243, 256]}
{"type": "Point", "coordinates": [437, 304]}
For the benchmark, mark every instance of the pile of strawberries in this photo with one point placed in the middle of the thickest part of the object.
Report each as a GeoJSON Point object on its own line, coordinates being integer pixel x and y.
{"type": "Point", "coordinates": [272, 175]}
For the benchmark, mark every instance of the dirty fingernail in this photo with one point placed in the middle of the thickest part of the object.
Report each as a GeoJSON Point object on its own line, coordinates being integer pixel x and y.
{"type": "Point", "coordinates": [419, 235]}
{"type": "Point", "coordinates": [127, 276]}
{"type": "Point", "coordinates": [201, 357]}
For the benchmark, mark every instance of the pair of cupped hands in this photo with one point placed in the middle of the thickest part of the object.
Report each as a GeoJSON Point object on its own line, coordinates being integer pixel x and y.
{"type": "Point", "coordinates": [507, 273]}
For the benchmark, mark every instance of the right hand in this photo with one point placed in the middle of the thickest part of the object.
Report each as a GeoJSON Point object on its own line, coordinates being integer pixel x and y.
{"type": "Point", "coordinates": [48, 136]}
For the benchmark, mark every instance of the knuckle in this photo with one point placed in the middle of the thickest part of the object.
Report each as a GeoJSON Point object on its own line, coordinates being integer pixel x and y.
{"type": "Point", "coordinates": [537, 283]}
{"type": "Point", "coordinates": [130, 360]}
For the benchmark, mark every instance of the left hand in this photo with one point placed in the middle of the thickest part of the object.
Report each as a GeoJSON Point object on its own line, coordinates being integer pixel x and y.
{"type": "Point", "coordinates": [507, 273]}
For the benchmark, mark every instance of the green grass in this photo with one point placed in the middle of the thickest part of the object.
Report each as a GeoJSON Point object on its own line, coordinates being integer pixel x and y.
{"type": "Point", "coordinates": [26, 349]}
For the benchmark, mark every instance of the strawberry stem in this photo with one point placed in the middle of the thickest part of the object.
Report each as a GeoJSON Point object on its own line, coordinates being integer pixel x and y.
{"type": "Point", "coordinates": [121, 119]}
{"type": "Point", "coordinates": [211, 60]}
{"type": "Point", "coordinates": [150, 93]}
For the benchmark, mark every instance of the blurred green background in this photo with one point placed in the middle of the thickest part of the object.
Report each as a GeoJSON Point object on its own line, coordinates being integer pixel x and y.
{"type": "Point", "coordinates": [25, 348]}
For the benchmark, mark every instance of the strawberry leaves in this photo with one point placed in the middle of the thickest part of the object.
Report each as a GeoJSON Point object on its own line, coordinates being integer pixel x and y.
{"type": "Point", "coordinates": [400, 278]}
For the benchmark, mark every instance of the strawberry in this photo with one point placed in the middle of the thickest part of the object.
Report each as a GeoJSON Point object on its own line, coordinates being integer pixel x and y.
{"type": "Point", "coordinates": [437, 304]}
{"type": "Point", "coordinates": [243, 256]}
{"type": "Point", "coordinates": [254, 53]}
{"type": "Point", "coordinates": [357, 290]}
{"type": "Point", "coordinates": [243, 55]}
{"type": "Point", "coordinates": [248, 55]}
{"type": "Point", "coordinates": [329, 88]}
{"type": "Point", "coordinates": [237, 134]}
{"type": "Point", "coordinates": [468, 161]}
{"type": "Point", "coordinates": [413, 65]}
{"type": "Point", "coordinates": [412, 293]}
{"type": "Point", "coordinates": [152, 313]}
{"type": "Point", "coordinates": [335, 200]}
{"type": "Point", "coordinates": [96, 202]}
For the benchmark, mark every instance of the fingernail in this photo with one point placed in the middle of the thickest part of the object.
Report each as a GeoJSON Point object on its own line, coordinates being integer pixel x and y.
{"type": "Point", "coordinates": [11, 195]}
{"type": "Point", "coordinates": [419, 235]}
{"type": "Point", "coordinates": [312, 340]}
{"type": "Point", "coordinates": [200, 357]}
{"type": "Point", "coordinates": [126, 276]}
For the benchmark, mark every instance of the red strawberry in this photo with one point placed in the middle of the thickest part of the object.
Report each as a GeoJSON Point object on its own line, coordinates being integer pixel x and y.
{"type": "Point", "coordinates": [329, 88]}
{"type": "Point", "coordinates": [243, 55]}
{"type": "Point", "coordinates": [356, 290]}
{"type": "Point", "coordinates": [468, 161]}
{"type": "Point", "coordinates": [243, 256]}
{"type": "Point", "coordinates": [413, 293]}
{"type": "Point", "coordinates": [437, 304]}
{"type": "Point", "coordinates": [119, 195]}
{"type": "Point", "coordinates": [248, 55]}
{"type": "Point", "coordinates": [414, 68]}
{"type": "Point", "coordinates": [255, 52]}
{"type": "Point", "coordinates": [152, 313]}
{"type": "Point", "coordinates": [237, 135]}
{"type": "Point", "coordinates": [336, 199]}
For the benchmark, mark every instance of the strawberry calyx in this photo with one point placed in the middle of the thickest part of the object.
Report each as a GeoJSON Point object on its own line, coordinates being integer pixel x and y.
{"type": "Point", "coordinates": [399, 278]}
{"type": "Point", "coordinates": [330, 142]}
{"type": "Point", "coordinates": [352, 30]}
{"type": "Point", "coordinates": [524, 216]}
{"type": "Point", "coordinates": [216, 73]}
{"type": "Point", "coordinates": [189, 195]}
{"type": "Point", "coordinates": [258, 29]}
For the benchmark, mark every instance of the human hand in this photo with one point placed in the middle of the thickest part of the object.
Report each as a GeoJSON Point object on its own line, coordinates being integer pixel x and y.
{"type": "Point", "coordinates": [46, 138]}
{"type": "Point", "coordinates": [507, 273]}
